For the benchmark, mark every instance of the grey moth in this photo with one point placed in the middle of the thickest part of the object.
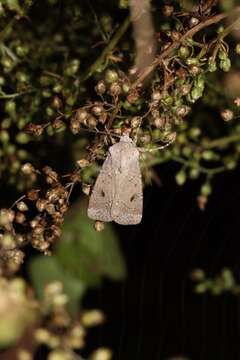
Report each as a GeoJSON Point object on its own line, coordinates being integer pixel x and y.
{"type": "Point", "coordinates": [117, 194]}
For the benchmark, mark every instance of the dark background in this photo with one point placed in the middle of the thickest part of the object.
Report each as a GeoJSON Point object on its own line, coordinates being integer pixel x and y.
{"type": "Point", "coordinates": [155, 313]}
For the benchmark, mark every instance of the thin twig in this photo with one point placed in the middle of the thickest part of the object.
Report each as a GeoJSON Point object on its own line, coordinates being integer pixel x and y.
{"type": "Point", "coordinates": [210, 21]}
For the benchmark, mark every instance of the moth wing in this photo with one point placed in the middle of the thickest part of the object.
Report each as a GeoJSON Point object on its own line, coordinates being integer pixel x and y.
{"type": "Point", "coordinates": [127, 204]}
{"type": "Point", "coordinates": [99, 207]}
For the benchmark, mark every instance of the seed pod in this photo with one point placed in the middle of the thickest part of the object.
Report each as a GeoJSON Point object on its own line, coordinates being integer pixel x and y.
{"type": "Point", "coordinates": [41, 204]}
{"type": "Point", "coordinates": [20, 218]}
{"type": "Point", "coordinates": [57, 124]}
{"type": "Point", "coordinates": [33, 195]}
{"type": "Point", "coordinates": [193, 21]}
{"type": "Point", "coordinates": [115, 89]}
{"type": "Point", "coordinates": [111, 76]}
{"type": "Point", "coordinates": [22, 206]}
{"type": "Point", "coordinates": [227, 115]}
{"type": "Point", "coordinates": [82, 115]}
{"type": "Point", "coordinates": [82, 163]}
{"type": "Point", "coordinates": [86, 188]}
{"type": "Point", "coordinates": [99, 225]}
{"type": "Point", "coordinates": [92, 122]}
{"type": "Point", "coordinates": [97, 110]}
{"type": "Point", "coordinates": [101, 87]}
{"type": "Point", "coordinates": [136, 121]}
{"type": "Point", "coordinates": [75, 126]}
{"type": "Point", "coordinates": [27, 169]}
{"type": "Point", "coordinates": [56, 103]}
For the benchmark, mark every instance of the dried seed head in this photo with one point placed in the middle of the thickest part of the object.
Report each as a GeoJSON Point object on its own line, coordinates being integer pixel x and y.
{"type": "Point", "coordinates": [227, 115]}
{"type": "Point", "coordinates": [27, 169]}
{"type": "Point", "coordinates": [183, 110]}
{"type": "Point", "coordinates": [175, 35]}
{"type": "Point", "coordinates": [57, 124]}
{"type": "Point", "coordinates": [100, 87]}
{"type": "Point", "coordinates": [33, 195]}
{"type": "Point", "coordinates": [99, 225]}
{"type": "Point", "coordinates": [18, 256]}
{"type": "Point", "coordinates": [86, 188]}
{"type": "Point", "coordinates": [82, 115]}
{"type": "Point", "coordinates": [82, 163]}
{"type": "Point", "coordinates": [193, 21]}
{"type": "Point", "coordinates": [168, 10]}
{"type": "Point", "coordinates": [103, 117]}
{"type": "Point", "coordinates": [50, 208]}
{"type": "Point", "coordinates": [92, 318]}
{"type": "Point", "coordinates": [56, 103]}
{"type": "Point", "coordinates": [22, 206]}
{"type": "Point", "coordinates": [34, 129]}
{"type": "Point", "coordinates": [136, 121]}
{"type": "Point", "coordinates": [156, 96]}
{"type": "Point", "coordinates": [92, 122]}
{"type": "Point", "coordinates": [115, 89]}
{"type": "Point", "coordinates": [194, 69]}
{"type": "Point", "coordinates": [33, 223]}
{"type": "Point", "coordinates": [41, 204]}
{"type": "Point", "coordinates": [97, 110]}
{"type": "Point", "coordinates": [75, 126]}
{"type": "Point", "coordinates": [20, 218]}
{"type": "Point", "coordinates": [159, 122]}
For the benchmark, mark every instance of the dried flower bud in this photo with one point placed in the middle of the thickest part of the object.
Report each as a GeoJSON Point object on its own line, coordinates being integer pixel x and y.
{"type": "Point", "coordinates": [202, 202]}
{"type": "Point", "coordinates": [115, 89]}
{"type": "Point", "coordinates": [92, 122]}
{"type": "Point", "coordinates": [227, 115]}
{"type": "Point", "coordinates": [101, 354]}
{"type": "Point", "coordinates": [18, 256]}
{"type": "Point", "coordinates": [168, 10]}
{"type": "Point", "coordinates": [56, 103]}
{"type": "Point", "coordinates": [82, 115]}
{"type": "Point", "coordinates": [57, 124]}
{"type": "Point", "coordinates": [133, 97]}
{"type": "Point", "coordinates": [159, 122]}
{"type": "Point", "coordinates": [193, 21]}
{"type": "Point", "coordinates": [20, 218]}
{"type": "Point", "coordinates": [136, 121]}
{"type": "Point", "coordinates": [194, 69]}
{"type": "Point", "coordinates": [22, 206]}
{"type": "Point", "coordinates": [99, 225]}
{"type": "Point", "coordinates": [33, 195]}
{"type": "Point", "coordinates": [50, 208]}
{"type": "Point", "coordinates": [176, 35]}
{"type": "Point", "coordinates": [27, 169]}
{"type": "Point", "coordinates": [75, 126]}
{"type": "Point", "coordinates": [34, 129]}
{"type": "Point", "coordinates": [100, 87]}
{"type": "Point", "coordinates": [92, 318]}
{"type": "Point", "coordinates": [103, 117]}
{"type": "Point", "coordinates": [86, 188]}
{"type": "Point", "coordinates": [197, 274]}
{"type": "Point", "coordinates": [183, 110]}
{"type": "Point", "coordinates": [82, 163]}
{"type": "Point", "coordinates": [156, 96]}
{"type": "Point", "coordinates": [97, 110]}
{"type": "Point", "coordinates": [41, 204]}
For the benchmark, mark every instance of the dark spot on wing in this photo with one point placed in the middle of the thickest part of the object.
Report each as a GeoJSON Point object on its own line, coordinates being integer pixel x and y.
{"type": "Point", "coordinates": [132, 197]}
{"type": "Point", "coordinates": [102, 193]}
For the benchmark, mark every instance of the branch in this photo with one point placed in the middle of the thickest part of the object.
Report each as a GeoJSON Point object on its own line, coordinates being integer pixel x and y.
{"type": "Point", "coordinates": [165, 53]}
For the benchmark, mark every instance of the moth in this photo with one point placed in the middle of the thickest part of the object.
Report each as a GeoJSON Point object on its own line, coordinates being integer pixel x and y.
{"type": "Point", "coordinates": [118, 192]}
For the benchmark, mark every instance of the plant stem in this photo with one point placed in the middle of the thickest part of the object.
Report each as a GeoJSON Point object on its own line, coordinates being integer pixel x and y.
{"type": "Point", "coordinates": [111, 45]}
{"type": "Point", "coordinates": [189, 34]}
{"type": "Point", "coordinates": [221, 142]}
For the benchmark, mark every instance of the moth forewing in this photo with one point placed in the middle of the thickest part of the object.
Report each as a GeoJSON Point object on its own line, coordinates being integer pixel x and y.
{"type": "Point", "coordinates": [128, 198]}
{"type": "Point", "coordinates": [100, 202]}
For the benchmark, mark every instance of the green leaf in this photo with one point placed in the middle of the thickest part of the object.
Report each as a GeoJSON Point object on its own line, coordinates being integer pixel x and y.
{"type": "Point", "coordinates": [44, 270]}
{"type": "Point", "coordinates": [87, 254]}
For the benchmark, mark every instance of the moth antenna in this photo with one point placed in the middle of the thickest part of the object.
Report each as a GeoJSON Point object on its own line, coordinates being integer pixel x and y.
{"type": "Point", "coordinates": [159, 147]}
